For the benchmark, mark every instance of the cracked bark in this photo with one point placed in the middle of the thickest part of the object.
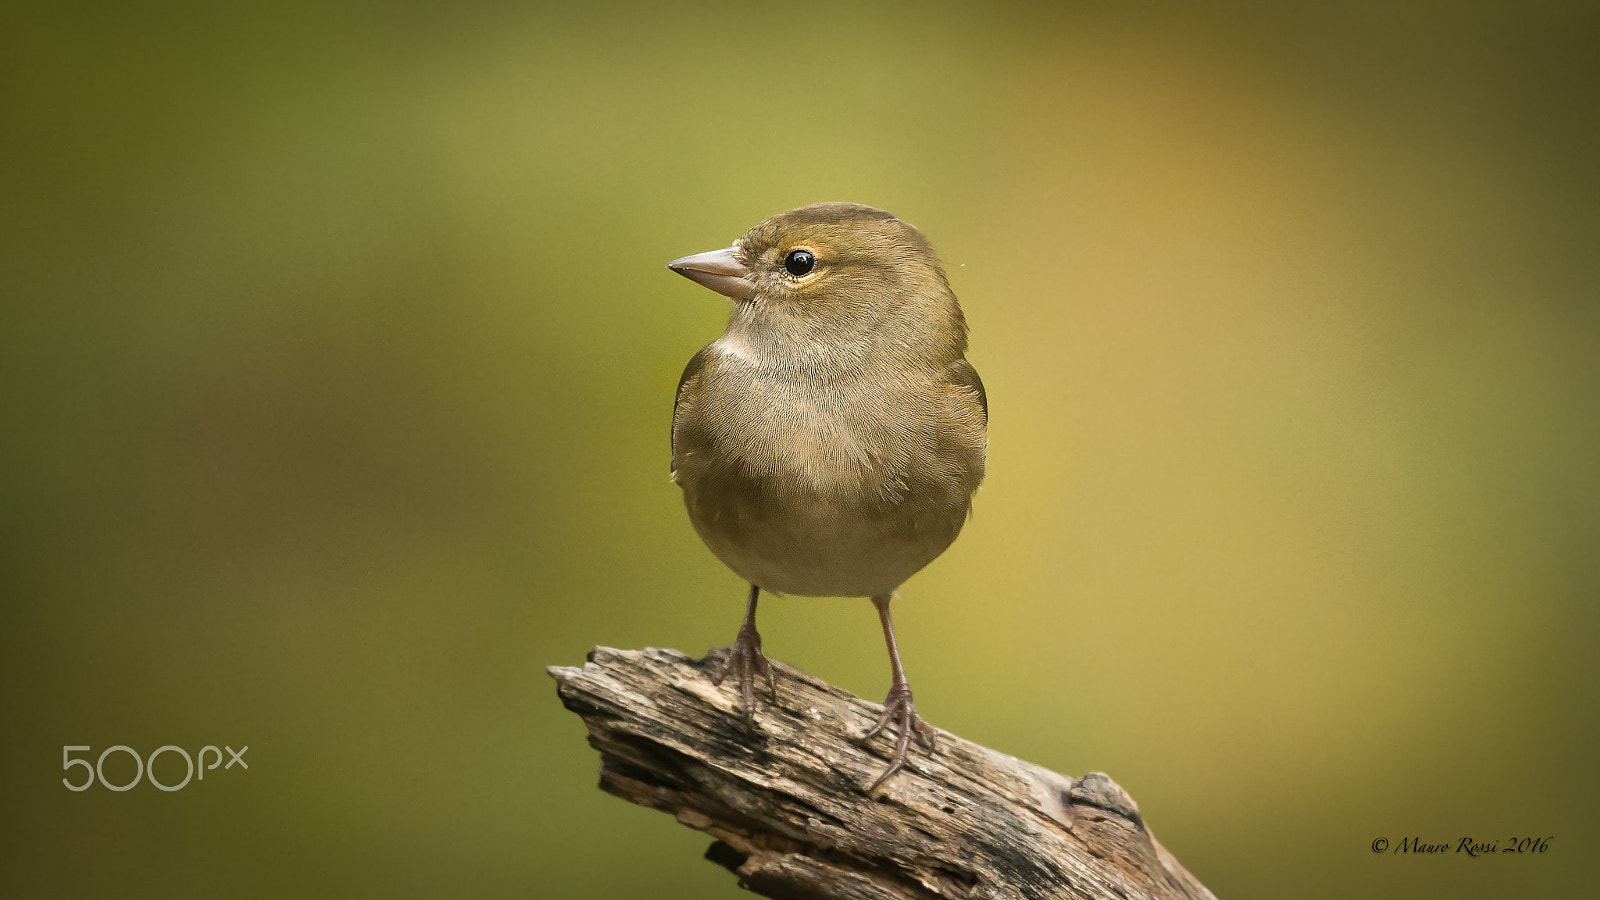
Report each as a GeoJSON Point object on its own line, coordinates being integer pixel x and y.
{"type": "Point", "coordinates": [787, 813]}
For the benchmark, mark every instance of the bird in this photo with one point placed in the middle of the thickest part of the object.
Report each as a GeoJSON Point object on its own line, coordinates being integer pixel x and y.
{"type": "Point", "coordinates": [829, 443]}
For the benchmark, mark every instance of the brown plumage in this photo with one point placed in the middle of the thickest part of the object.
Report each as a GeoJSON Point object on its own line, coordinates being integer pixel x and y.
{"type": "Point", "coordinates": [828, 444]}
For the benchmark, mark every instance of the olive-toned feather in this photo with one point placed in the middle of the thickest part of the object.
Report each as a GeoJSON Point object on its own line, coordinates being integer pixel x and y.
{"type": "Point", "coordinates": [830, 441]}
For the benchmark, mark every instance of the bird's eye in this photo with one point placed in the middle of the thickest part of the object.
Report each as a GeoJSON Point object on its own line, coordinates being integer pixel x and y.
{"type": "Point", "coordinates": [799, 262]}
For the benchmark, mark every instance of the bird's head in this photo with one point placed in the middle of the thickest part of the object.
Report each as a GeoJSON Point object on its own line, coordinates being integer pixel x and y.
{"type": "Point", "coordinates": [836, 279]}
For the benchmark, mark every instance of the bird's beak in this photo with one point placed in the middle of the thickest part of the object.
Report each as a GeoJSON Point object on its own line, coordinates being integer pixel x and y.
{"type": "Point", "coordinates": [718, 270]}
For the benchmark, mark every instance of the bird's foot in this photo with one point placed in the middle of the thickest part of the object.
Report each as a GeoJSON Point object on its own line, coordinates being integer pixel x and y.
{"type": "Point", "coordinates": [899, 709]}
{"type": "Point", "coordinates": [746, 657]}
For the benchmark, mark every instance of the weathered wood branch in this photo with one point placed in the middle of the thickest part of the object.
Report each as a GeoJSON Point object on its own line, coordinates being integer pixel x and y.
{"type": "Point", "coordinates": [788, 813]}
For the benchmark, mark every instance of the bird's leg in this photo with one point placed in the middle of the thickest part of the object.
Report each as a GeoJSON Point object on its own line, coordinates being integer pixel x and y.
{"type": "Point", "coordinates": [897, 707]}
{"type": "Point", "coordinates": [745, 654]}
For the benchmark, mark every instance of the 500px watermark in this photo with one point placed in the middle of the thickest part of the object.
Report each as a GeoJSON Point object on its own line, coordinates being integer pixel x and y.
{"type": "Point", "coordinates": [146, 766]}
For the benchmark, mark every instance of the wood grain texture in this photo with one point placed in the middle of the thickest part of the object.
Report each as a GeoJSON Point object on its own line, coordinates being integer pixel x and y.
{"type": "Point", "coordinates": [788, 815]}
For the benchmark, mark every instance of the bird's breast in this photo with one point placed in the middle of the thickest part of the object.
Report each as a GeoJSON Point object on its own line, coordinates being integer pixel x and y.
{"type": "Point", "coordinates": [819, 488]}
{"type": "Point", "coordinates": [843, 442]}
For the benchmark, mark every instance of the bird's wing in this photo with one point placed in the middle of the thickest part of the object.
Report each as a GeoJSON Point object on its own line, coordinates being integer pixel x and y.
{"type": "Point", "coordinates": [967, 431]}
{"type": "Point", "coordinates": [964, 375]}
{"type": "Point", "coordinates": [686, 383]}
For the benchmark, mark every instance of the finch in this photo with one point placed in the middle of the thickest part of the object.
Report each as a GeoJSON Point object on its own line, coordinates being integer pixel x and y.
{"type": "Point", "coordinates": [829, 443]}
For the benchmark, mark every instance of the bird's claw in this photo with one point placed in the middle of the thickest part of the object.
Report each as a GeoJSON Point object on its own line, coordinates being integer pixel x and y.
{"type": "Point", "coordinates": [746, 656]}
{"type": "Point", "coordinates": [899, 709]}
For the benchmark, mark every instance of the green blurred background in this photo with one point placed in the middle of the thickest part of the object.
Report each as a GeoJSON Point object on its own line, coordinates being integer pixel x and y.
{"type": "Point", "coordinates": [338, 360]}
